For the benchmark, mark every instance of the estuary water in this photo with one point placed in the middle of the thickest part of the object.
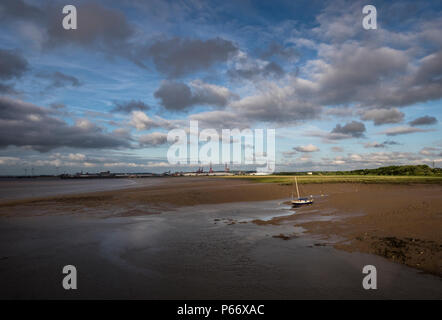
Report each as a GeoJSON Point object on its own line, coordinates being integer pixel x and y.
{"type": "Point", "coordinates": [206, 251]}
{"type": "Point", "coordinates": [32, 188]}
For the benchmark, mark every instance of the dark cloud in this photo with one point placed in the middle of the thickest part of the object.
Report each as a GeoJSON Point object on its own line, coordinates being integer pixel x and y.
{"type": "Point", "coordinates": [379, 77]}
{"type": "Point", "coordinates": [423, 121]}
{"type": "Point", "coordinates": [174, 95]}
{"type": "Point", "coordinates": [19, 9]}
{"type": "Point", "coordinates": [153, 139]}
{"type": "Point", "coordinates": [12, 64]}
{"type": "Point", "coordinates": [97, 26]}
{"type": "Point", "coordinates": [345, 75]}
{"type": "Point", "coordinates": [59, 80]}
{"type": "Point", "coordinates": [176, 57]}
{"type": "Point", "coordinates": [129, 106]}
{"type": "Point", "coordinates": [277, 111]}
{"type": "Point", "coordinates": [351, 73]}
{"type": "Point", "coordinates": [383, 116]}
{"type": "Point", "coordinates": [177, 96]}
{"type": "Point", "coordinates": [26, 125]}
{"type": "Point", "coordinates": [430, 70]}
{"type": "Point", "coordinates": [353, 129]}
{"type": "Point", "coordinates": [423, 85]}
{"type": "Point", "coordinates": [275, 104]}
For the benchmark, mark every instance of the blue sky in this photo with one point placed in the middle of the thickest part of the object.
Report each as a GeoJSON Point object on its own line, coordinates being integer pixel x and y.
{"type": "Point", "coordinates": [104, 96]}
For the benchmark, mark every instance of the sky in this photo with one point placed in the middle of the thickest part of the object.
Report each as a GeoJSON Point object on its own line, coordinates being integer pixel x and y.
{"type": "Point", "coordinates": [105, 95]}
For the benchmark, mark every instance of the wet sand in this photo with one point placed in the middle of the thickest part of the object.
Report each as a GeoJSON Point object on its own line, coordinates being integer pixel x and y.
{"type": "Point", "coordinates": [216, 238]}
{"type": "Point", "coordinates": [402, 223]}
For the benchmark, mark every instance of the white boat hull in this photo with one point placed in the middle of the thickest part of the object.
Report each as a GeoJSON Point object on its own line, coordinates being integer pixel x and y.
{"type": "Point", "coordinates": [301, 202]}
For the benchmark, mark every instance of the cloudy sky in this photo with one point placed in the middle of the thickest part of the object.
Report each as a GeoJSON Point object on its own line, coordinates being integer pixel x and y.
{"type": "Point", "coordinates": [104, 96]}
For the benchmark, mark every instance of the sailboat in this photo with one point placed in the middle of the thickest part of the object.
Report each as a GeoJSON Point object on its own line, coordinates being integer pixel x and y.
{"type": "Point", "coordinates": [300, 201]}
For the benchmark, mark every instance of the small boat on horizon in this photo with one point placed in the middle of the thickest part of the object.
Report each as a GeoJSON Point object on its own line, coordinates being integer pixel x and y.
{"type": "Point", "coordinates": [300, 201]}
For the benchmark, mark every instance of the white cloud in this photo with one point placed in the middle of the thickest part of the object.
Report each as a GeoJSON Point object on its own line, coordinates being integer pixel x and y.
{"type": "Point", "coordinates": [307, 148]}
{"type": "Point", "coordinates": [77, 157]}
{"type": "Point", "coordinates": [394, 131]}
{"type": "Point", "coordinates": [141, 121]}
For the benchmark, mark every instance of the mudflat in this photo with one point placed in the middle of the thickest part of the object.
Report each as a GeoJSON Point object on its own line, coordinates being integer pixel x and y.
{"type": "Point", "coordinates": [402, 223]}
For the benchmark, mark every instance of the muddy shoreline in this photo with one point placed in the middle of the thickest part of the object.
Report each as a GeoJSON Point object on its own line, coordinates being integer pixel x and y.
{"type": "Point", "coordinates": [399, 222]}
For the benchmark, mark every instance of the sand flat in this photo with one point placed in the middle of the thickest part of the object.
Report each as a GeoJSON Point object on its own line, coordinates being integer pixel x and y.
{"type": "Point", "coordinates": [218, 238]}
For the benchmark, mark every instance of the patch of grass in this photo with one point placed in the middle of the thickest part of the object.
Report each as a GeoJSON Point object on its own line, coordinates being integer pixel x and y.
{"type": "Point", "coordinates": [286, 180]}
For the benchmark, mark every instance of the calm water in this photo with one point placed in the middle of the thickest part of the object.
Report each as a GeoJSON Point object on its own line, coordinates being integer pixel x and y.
{"type": "Point", "coordinates": [207, 251]}
{"type": "Point", "coordinates": [30, 188]}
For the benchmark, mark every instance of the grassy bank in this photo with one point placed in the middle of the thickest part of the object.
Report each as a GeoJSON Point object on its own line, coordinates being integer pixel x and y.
{"type": "Point", "coordinates": [343, 179]}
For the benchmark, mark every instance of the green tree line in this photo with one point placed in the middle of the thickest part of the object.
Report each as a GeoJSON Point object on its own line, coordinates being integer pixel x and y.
{"type": "Point", "coordinates": [407, 170]}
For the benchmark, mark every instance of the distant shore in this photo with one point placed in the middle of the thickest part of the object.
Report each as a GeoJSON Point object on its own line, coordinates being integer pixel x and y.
{"type": "Point", "coordinates": [399, 222]}
{"type": "Point", "coordinates": [345, 178]}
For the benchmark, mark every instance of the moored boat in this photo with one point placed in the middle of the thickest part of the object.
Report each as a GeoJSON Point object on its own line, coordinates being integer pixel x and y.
{"type": "Point", "coordinates": [300, 201]}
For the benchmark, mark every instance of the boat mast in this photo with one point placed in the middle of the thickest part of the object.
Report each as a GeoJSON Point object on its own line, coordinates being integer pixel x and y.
{"type": "Point", "coordinates": [297, 190]}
